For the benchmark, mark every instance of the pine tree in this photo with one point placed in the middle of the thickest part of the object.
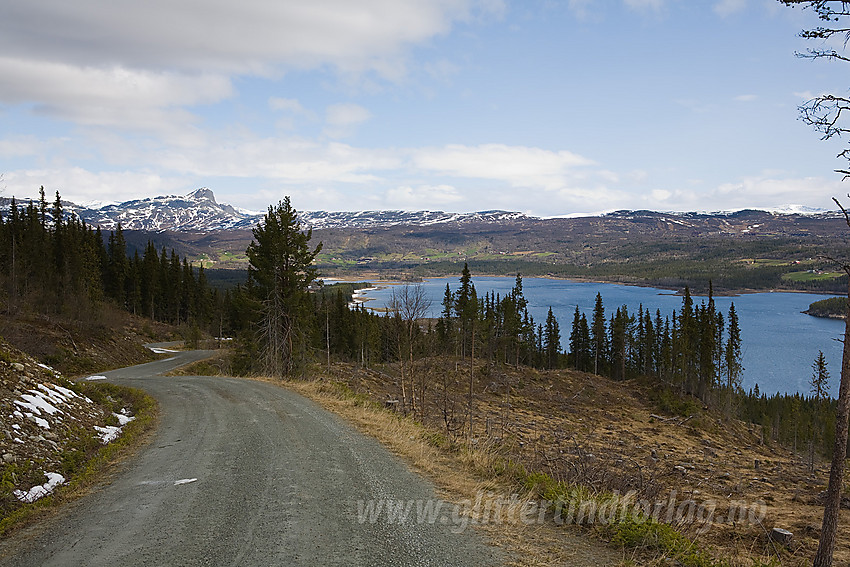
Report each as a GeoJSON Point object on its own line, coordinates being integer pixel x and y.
{"type": "Point", "coordinates": [445, 325]}
{"type": "Point", "coordinates": [598, 335]}
{"type": "Point", "coordinates": [551, 340]}
{"type": "Point", "coordinates": [819, 384]}
{"type": "Point", "coordinates": [732, 359]}
{"type": "Point", "coordinates": [687, 344]}
{"type": "Point", "coordinates": [575, 340]}
{"type": "Point", "coordinates": [584, 344]}
{"type": "Point", "coordinates": [280, 267]}
{"type": "Point", "coordinates": [465, 309]}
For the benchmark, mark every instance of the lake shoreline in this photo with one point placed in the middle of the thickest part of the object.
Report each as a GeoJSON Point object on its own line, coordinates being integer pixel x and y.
{"type": "Point", "coordinates": [381, 280]}
{"type": "Point", "coordinates": [780, 340]}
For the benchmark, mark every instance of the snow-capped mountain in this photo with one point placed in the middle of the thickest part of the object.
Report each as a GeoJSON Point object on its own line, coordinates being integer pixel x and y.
{"type": "Point", "coordinates": [373, 219]}
{"type": "Point", "coordinates": [199, 211]}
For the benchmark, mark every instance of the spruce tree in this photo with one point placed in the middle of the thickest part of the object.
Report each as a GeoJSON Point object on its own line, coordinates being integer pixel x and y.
{"type": "Point", "coordinates": [598, 335]}
{"type": "Point", "coordinates": [819, 384]}
{"type": "Point", "coordinates": [551, 340]}
{"type": "Point", "coordinates": [732, 359]}
{"type": "Point", "coordinates": [281, 270]}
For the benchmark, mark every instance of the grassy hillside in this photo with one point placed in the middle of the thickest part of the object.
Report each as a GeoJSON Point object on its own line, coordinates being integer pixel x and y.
{"type": "Point", "coordinates": [746, 250]}
{"type": "Point", "coordinates": [109, 338]}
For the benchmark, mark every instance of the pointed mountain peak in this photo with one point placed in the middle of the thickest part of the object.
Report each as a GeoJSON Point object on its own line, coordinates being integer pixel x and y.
{"type": "Point", "coordinates": [204, 193]}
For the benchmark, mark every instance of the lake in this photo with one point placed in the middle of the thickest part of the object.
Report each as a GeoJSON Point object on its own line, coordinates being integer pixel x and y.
{"type": "Point", "coordinates": [779, 342]}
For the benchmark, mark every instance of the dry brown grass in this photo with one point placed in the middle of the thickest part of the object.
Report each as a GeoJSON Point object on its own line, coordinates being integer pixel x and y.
{"type": "Point", "coordinates": [461, 474]}
{"type": "Point", "coordinates": [587, 430]}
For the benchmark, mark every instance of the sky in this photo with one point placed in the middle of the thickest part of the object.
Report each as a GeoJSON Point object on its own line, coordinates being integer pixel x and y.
{"type": "Point", "coordinates": [545, 107]}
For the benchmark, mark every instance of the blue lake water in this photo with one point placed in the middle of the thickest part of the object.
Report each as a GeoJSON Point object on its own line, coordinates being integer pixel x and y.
{"type": "Point", "coordinates": [779, 342]}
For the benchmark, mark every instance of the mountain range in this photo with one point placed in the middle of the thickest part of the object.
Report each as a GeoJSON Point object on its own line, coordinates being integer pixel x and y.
{"type": "Point", "coordinates": [199, 211]}
{"type": "Point", "coordinates": [744, 249]}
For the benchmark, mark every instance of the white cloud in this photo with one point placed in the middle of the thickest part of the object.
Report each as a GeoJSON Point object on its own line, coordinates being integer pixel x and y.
{"type": "Point", "coordinates": [290, 160]}
{"type": "Point", "coordinates": [342, 119]}
{"type": "Point", "coordinates": [762, 191]}
{"type": "Point", "coordinates": [346, 114]}
{"type": "Point", "coordinates": [140, 65]}
{"type": "Point", "coordinates": [289, 110]}
{"type": "Point", "coordinates": [80, 185]}
{"type": "Point", "coordinates": [285, 104]}
{"type": "Point", "coordinates": [746, 98]}
{"type": "Point", "coordinates": [247, 37]}
{"type": "Point", "coordinates": [518, 166]}
{"type": "Point", "coordinates": [114, 97]}
{"type": "Point", "coordinates": [442, 70]}
{"type": "Point", "coordinates": [660, 195]}
{"type": "Point", "coordinates": [422, 197]}
{"type": "Point", "coordinates": [580, 7]}
{"type": "Point", "coordinates": [750, 192]}
{"type": "Point", "coordinates": [28, 146]}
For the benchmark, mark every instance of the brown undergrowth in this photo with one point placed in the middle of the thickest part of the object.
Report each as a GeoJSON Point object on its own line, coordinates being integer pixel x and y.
{"type": "Point", "coordinates": [462, 475]}
{"type": "Point", "coordinates": [557, 434]}
{"type": "Point", "coordinates": [110, 338]}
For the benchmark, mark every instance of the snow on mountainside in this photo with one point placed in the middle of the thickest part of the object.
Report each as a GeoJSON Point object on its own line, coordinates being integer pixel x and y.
{"type": "Point", "coordinates": [199, 211]}
{"type": "Point", "coordinates": [368, 219]}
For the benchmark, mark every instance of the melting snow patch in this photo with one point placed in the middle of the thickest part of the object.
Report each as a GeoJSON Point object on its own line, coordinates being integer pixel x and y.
{"type": "Point", "coordinates": [36, 402]}
{"type": "Point", "coordinates": [68, 393]}
{"type": "Point", "coordinates": [184, 481]}
{"type": "Point", "coordinates": [36, 492]}
{"type": "Point", "coordinates": [37, 420]}
{"type": "Point", "coordinates": [53, 396]}
{"type": "Point", "coordinates": [108, 433]}
{"type": "Point", "coordinates": [123, 419]}
{"type": "Point", "coordinates": [93, 378]}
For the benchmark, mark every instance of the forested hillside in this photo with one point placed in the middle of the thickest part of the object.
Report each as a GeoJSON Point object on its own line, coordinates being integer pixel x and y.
{"type": "Point", "coordinates": [53, 263]}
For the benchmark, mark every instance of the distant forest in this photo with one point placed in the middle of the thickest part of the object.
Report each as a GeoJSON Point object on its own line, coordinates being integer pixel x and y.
{"type": "Point", "coordinates": [53, 263]}
{"type": "Point", "coordinates": [835, 307]}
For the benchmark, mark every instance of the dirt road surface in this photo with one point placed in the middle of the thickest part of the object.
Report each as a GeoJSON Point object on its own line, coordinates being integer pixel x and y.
{"type": "Point", "coordinates": [246, 473]}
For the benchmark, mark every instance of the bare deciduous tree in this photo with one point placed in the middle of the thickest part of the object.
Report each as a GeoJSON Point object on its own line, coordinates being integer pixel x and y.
{"type": "Point", "coordinates": [827, 114]}
{"type": "Point", "coordinates": [410, 303]}
{"type": "Point", "coordinates": [832, 504]}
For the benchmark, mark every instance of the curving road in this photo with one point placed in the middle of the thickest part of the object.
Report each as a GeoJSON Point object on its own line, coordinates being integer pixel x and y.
{"type": "Point", "coordinates": [246, 473]}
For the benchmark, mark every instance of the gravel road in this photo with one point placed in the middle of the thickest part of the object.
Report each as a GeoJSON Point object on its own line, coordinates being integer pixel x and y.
{"type": "Point", "coordinates": [246, 473]}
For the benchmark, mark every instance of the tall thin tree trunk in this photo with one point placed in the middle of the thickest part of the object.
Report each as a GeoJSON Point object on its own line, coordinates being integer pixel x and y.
{"type": "Point", "coordinates": [410, 370]}
{"type": "Point", "coordinates": [328, 339]}
{"type": "Point", "coordinates": [832, 506]}
{"type": "Point", "coordinates": [471, 379]}
{"type": "Point", "coordinates": [403, 389]}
